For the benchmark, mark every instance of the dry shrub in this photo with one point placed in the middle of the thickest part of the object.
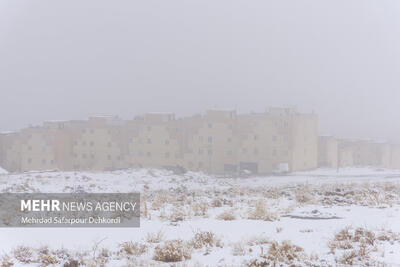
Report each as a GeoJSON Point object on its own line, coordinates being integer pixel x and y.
{"type": "Point", "coordinates": [280, 254]}
{"type": "Point", "coordinates": [177, 215]}
{"type": "Point", "coordinates": [23, 254]}
{"type": "Point", "coordinates": [200, 209]}
{"type": "Point", "coordinates": [228, 215]}
{"type": "Point", "coordinates": [238, 249]}
{"type": "Point", "coordinates": [47, 260]}
{"type": "Point", "coordinates": [6, 261]}
{"type": "Point", "coordinates": [303, 197]}
{"type": "Point", "coordinates": [172, 251]}
{"type": "Point", "coordinates": [354, 246]}
{"type": "Point", "coordinates": [155, 237]}
{"type": "Point", "coordinates": [216, 203]}
{"type": "Point", "coordinates": [205, 239]}
{"type": "Point", "coordinates": [285, 252]}
{"type": "Point", "coordinates": [261, 212]}
{"type": "Point", "coordinates": [71, 263]}
{"type": "Point", "coordinates": [258, 240]}
{"type": "Point", "coordinates": [135, 249]}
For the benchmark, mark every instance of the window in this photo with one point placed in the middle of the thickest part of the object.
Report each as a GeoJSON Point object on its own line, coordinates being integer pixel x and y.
{"type": "Point", "coordinates": [119, 158]}
{"type": "Point", "coordinates": [274, 138]}
{"type": "Point", "coordinates": [91, 143]}
{"type": "Point", "coordinates": [75, 155]}
{"type": "Point", "coordinates": [229, 153]}
{"type": "Point", "coordinates": [43, 161]}
{"type": "Point", "coordinates": [148, 140]}
{"type": "Point", "coordinates": [167, 142]}
{"type": "Point", "coordinates": [52, 162]}
{"type": "Point", "coordinates": [149, 128]}
{"type": "Point", "coordinates": [201, 138]}
{"type": "Point", "coordinates": [109, 157]}
{"type": "Point", "coordinates": [167, 155]}
{"type": "Point", "coordinates": [148, 154]}
{"type": "Point", "coordinates": [256, 137]}
{"type": "Point", "coordinates": [255, 151]}
{"type": "Point", "coordinates": [84, 156]}
{"type": "Point", "coordinates": [244, 150]}
{"type": "Point", "coordinates": [84, 143]}
{"type": "Point", "coordinates": [29, 160]}
{"type": "Point", "coordinates": [109, 144]}
{"type": "Point", "coordinates": [200, 164]}
{"type": "Point", "coordinates": [229, 140]}
{"type": "Point", "coordinates": [92, 156]}
{"type": "Point", "coordinates": [210, 125]}
{"type": "Point", "coordinates": [209, 152]}
{"type": "Point", "coordinates": [210, 139]}
{"type": "Point", "coordinates": [274, 152]}
{"type": "Point", "coordinates": [75, 143]}
{"type": "Point", "coordinates": [91, 131]}
{"type": "Point", "coordinates": [30, 148]}
{"type": "Point", "coordinates": [200, 151]}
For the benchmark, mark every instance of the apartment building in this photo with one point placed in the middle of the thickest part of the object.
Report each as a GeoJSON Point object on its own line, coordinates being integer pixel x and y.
{"type": "Point", "coordinates": [37, 149]}
{"type": "Point", "coordinates": [10, 151]}
{"type": "Point", "coordinates": [395, 157]}
{"type": "Point", "coordinates": [278, 140]}
{"type": "Point", "coordinates": [328, 152]}
{"type": "Point", "coordinates": [219, 141]}
{"type": "Point", "coordinates": [99, 144]}
{"type": "Point", "coordinates": [154, 141]}
{"type": "Point", "coordinates": [212, 142]}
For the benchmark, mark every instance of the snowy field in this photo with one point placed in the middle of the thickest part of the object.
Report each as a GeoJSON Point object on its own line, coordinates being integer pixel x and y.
{"type": "Point", "coordinates": [317, 218]}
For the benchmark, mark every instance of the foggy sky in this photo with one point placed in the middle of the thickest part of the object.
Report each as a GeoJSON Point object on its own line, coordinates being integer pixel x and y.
{"type": "Point", "coordinates": [77, 58]}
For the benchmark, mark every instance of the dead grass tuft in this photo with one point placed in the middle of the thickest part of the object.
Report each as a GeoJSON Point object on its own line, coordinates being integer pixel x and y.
{"type": "Point", "coordinates": [172, 251]}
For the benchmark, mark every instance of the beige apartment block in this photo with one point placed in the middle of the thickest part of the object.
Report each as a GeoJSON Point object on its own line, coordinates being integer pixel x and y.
{"type": "Point", "coordinates": [395, 157]}
{"type": "Point", "coordinates": [265, 143]}
{"type": "Point", "coordinates": [154, 141]}
{"type": "Point", "coordinates": [37, 148]}
{"type": "Point", "coordinates": [278, 140]}
{"type": "Point", "coordinates": [304, 143]}
{"type": "Point", "coordinates": [212, 142]}
{"type": "Point", "coordinates": [99, 144]}
{"type": "Point", "coordinates": [364, 152]}
{"type": "Point", "coordinates": [383, 152]}
{"type": "Point", "coordinates": [328, 152]}
{"type": "Point", "coordinates": [10, 151]}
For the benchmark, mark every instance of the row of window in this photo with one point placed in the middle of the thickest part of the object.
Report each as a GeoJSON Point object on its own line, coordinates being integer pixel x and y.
{"type": "Point", "coordinates": [91, 143]}
{"type": "Point", "coordinates": [44, 161]}
{"type": "Point", "coordinates": [93, 156]}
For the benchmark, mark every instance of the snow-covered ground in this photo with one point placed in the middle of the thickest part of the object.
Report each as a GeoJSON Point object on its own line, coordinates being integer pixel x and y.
{"type": "Point", "coordinates": [329, 217]}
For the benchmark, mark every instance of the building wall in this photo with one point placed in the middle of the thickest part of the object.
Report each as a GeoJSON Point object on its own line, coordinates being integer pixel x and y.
{"type": "Point", "coordinates": [37, 150]}
{"type": "Point", "coordinates": [220, 141]}
{"type": "Point", "coordinates": [99, 144]}
{"type": "Point", "coordinates": [213, 142]}
{"type": "Point", "coordinates": [10, 152]}
{"type": "Point", "coordinates": [154, 141]}
{"type": "Point", "coordinates": [395, 157]}
{"type": "Point", "coordinates": [305, 142]}
{"type": "Point", "coordinates": [327, 152]}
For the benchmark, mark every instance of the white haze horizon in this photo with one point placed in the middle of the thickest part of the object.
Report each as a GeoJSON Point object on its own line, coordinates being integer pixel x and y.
{"type": "Point", "coordinates": [73, 59]}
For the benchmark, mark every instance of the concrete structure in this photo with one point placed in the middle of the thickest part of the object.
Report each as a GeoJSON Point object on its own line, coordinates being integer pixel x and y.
{"type": "Point", "coordinates": [220, 141]}
{"type": "Point", "coordinates": [212, 142]}
{"type": "Point", "coordinates": [154, 141]}
{"type": "Point", "coordinates": [328, 152]}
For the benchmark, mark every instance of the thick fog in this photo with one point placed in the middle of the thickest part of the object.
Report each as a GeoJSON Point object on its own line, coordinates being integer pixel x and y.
{"type": "Point", "coordinates": [72, 59]}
